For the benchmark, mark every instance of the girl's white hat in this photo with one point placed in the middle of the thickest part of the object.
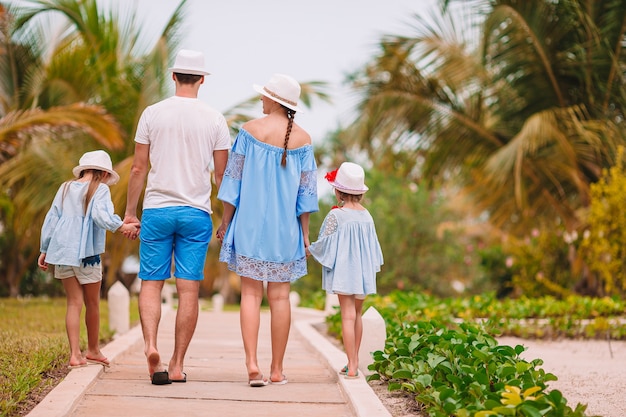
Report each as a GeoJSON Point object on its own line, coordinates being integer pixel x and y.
{"type": "Point", "coordinates": [349, 179]}
{"type": "Point", "coordinates": [97, 160]}
{"type": "Point", "coordinates": [189, 62]}
{"type": "Point", "coordinates": [282, 89]}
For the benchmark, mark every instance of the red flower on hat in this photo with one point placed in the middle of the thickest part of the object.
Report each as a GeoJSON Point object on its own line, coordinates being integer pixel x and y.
{"type": "Point", "coordinates": [330, 176]}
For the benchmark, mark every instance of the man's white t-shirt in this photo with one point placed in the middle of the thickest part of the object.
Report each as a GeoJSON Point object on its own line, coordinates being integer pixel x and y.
{"type": "Point", "coordinates": [182, 133]}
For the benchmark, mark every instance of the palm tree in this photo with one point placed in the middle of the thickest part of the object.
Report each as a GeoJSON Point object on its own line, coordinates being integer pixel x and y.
{"type": "Point", "coordinates": [96, 59]}
{"type": "Point", "coordinates": [522, 112]}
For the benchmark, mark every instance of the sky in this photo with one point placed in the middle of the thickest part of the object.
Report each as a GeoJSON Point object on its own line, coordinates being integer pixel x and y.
{"type": "Point", "coordinates": [246, 41]}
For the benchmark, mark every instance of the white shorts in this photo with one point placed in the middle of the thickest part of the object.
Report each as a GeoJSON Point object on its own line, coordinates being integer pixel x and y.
{"type": "Point", "coordinates": [84, 274]}
{"type": "Point", "coordinates": [356, 296]}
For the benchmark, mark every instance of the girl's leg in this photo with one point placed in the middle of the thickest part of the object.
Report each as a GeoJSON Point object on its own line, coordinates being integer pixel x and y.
{"type": "Point", "coordinates": [74, 295]}
{"type": "Point", "coordinates": [91, 293]}
{"type": "Point", "coordinates": [349, 331]}
{"type": "Point", "coordinates": [250, 319]}
{"type": "Point", "coordinates": [358, 326]}
{"type": "Point", "coordinates": [280, 309]}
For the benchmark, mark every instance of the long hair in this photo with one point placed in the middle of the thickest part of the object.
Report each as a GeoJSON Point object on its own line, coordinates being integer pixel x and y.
{"type": "Point", "coordinates": [96, 178]}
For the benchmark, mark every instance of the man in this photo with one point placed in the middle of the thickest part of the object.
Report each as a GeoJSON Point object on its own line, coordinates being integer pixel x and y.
{"type": "Point", "coordinates": [176, 141]}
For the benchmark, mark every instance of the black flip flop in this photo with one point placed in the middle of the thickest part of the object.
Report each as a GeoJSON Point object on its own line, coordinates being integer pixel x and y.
{"type": "Point", "coordinates": [161, 378]}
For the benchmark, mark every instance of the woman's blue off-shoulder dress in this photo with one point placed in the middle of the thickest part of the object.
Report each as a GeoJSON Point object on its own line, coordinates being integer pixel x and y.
{"type": "Point", "coordinates": [264, 239]}
{"type": "Point", "coordinates": [349, 251]}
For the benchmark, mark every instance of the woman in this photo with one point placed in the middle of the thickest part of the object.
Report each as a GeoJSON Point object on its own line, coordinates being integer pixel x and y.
{"type": "Point", "coordinates": [268, 191]}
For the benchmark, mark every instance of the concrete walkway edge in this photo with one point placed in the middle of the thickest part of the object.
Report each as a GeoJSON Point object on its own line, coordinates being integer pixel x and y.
{"type": "Point", "coordinates": [362, 398]}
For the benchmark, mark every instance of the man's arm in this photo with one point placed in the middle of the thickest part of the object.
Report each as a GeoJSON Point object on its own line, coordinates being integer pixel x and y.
{"type": "Point", "coordinates": [220, 158]}
{"type": "Point", "coordinates": [137, 181]}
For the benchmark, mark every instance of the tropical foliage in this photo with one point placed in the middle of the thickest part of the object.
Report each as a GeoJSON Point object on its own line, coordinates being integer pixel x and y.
{"type": "Point", "coordinates": [518, 103]}
{"type": "Point", "coordinates": [509, 110]}
{"type": "Point", "coordinates": [604, 242]}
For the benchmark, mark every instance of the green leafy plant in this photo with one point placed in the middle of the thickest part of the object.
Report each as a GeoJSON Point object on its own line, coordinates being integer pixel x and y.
{"type": "Point", "coordinates": [463, 371]}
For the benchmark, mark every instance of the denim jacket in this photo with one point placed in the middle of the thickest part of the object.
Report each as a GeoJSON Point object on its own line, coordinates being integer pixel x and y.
{"type": "Point", "coordinates": [68, 234]}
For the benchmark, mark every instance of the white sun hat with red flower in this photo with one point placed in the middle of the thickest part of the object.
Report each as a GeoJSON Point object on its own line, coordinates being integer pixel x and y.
{"type": "Point", "coordinates": [349, 178]}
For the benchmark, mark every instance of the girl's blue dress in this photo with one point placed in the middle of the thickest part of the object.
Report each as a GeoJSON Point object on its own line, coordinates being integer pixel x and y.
{"type": "Point", "coordinates": [349, 251]}
{"type": "Point", "coordinates": [264, 239]}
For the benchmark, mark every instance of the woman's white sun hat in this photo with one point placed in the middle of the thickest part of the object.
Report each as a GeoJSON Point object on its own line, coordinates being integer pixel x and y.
{"type": "Point", "coordinates": [96, 160]}
{"type": "Point", "coordinates": [349, 179]}
{"type": "Point", "coordinates": [282, 89]}
{"type": "Point", "coordinates": [189, 62]}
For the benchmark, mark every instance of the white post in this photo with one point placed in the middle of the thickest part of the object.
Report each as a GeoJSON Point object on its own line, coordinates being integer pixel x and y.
{"type": "Point", "coordinates": [294, 299]}
{"type": "Point", "coordinates": [218, 303]}
{"type": "Point", "coordinates": [331, 301]}
{"type": "Point", "coordinates": [374, 336]}
{"type": "Point", "coordinates": [135, 287]}
{"type": "Point", "coordinates": [119, 308]}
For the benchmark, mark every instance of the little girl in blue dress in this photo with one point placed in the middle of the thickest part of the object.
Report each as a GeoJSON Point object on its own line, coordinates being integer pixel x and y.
{"type": "Point", "coordinates": [350, 254]}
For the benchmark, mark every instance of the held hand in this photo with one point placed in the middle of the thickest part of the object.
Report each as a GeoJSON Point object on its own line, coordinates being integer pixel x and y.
{"type": "Point", "coordinates": [41, 262]}
{"type": "Point", "coordinates": [134, 221]}
{"type": "Point", "coordinates": [221, 232]}
{"type": "Point", "coordinates": [130, 230]}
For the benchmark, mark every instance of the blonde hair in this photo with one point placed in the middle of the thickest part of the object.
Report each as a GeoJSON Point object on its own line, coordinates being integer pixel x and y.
{"type": "Point", "coordinates": [97, 176]}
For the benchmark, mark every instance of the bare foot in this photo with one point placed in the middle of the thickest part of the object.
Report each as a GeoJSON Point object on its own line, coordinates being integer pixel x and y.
{"type": "Point", "coordinates": [282, 380]}
{"type": "Point", "coordinates": [97, 358]}
{"type": "Point", "coordinates": [257, 380]}
{"type": "Point", "coordinates": [177, 374]}
{"type": "Point", "coordinates": [77, 363]}
{"type": "Point", "coordinates": [154, 362]}
{"type": "Point", "coordinates": [277, 377]}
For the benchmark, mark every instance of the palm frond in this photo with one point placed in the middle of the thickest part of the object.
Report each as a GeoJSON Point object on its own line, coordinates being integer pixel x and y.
{"type": "Point", "coordinates": [92, 120]}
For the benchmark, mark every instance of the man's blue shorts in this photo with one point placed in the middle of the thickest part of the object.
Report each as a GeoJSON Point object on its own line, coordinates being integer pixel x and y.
{"type": "Point", "coordinates": [184, 232]}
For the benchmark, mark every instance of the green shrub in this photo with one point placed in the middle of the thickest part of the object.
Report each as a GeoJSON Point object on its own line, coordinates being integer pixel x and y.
{"type": "Point", "coordinates": [444, 351]}
{"type": "Point", "coordinates": [464, 372]}
{"type": "Point", "coordinates": [604, 242]}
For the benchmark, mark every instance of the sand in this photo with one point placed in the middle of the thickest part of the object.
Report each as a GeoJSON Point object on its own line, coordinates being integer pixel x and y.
{"type": "Point", "coordinates": [590, 372]}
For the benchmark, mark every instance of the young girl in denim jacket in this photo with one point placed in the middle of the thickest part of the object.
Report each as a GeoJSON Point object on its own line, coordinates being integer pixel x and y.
{"type": "Point", "coordinates": [72, 239]}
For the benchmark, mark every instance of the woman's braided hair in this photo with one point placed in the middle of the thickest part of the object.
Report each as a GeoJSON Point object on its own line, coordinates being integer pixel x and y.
{"type": "Point", "coordinates": [290, 116]}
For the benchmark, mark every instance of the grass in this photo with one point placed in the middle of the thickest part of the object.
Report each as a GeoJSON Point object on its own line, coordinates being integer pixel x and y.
{"type": "Point", "coordinates": [33, 346]}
